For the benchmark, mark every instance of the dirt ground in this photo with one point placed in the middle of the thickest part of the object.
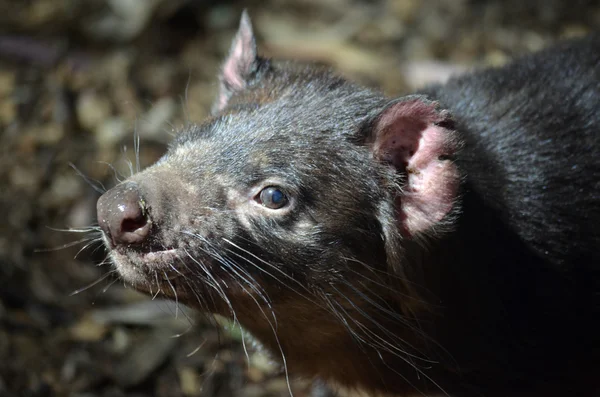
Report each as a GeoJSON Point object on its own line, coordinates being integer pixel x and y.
{"type": "Point", "coordinates": [78, 77]}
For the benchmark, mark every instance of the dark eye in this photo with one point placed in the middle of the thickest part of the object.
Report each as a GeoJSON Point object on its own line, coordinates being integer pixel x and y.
{"type": "Point", "coordinates": [272, 197]}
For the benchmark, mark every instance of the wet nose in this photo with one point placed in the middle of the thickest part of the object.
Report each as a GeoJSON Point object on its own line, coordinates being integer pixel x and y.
{"type": "Point", "coordinates": [122, 215]}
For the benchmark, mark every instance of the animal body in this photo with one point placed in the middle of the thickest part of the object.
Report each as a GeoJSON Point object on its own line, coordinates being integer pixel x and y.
{"type": "Point", "coordinates": [446, 242]}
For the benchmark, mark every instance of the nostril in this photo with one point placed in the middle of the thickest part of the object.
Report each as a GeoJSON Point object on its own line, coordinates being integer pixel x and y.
{"type": "Point", "coordinates": [133, 230]}
{"type": "Point", "coordinates": [131, 225]}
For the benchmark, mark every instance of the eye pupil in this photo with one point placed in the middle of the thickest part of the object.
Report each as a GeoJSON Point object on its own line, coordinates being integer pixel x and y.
{"type": "Point", "coordinates": [276, 196]}
{"type": "Point", "coordinates": [272, 197]}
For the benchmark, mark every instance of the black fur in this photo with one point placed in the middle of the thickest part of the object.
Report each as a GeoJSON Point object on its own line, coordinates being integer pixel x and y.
{"type": "Point", "coordinates": [503, 298]}
{"type": "Point", "coordinates": [528, 239]}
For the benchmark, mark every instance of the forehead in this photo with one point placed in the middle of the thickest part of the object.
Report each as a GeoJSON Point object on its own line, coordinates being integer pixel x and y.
{"type": "Point", "coordinates": [309, 125]}
{"type": "Point", "coordinates": [262, 139]}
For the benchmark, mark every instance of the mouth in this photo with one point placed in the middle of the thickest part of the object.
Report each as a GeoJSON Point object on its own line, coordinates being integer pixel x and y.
{"type": "Point", "coordinates": [160, 257]}
{"type": "Point", "coordinates": [135, 266]}
{"type": "Point", "coordinates": [160, 272]}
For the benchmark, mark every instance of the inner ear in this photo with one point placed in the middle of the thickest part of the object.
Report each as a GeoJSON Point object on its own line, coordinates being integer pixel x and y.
{"type": "Point", "coordinates": [414, 137]}
{"type": "Point", "coordinates": [239, 66]}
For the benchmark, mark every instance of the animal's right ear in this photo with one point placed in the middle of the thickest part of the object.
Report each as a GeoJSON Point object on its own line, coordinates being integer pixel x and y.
{"type": "Point", "coordinates": [240, 66]}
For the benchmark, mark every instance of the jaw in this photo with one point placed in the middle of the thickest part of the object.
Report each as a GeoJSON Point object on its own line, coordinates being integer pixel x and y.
{"type": "Point", "coordinates": [316, 344]}
{"type": "Point", "coordinates": [160, 273]}
{"type": "Point", "coordinates": [147, 271]}
{"type": "Point", "coordinates": [298, 330]}
{"type": "Point", "coordinates": [201, 284]}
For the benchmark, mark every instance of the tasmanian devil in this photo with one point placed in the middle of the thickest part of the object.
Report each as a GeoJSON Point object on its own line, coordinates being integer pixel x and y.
{"type": "Point", "coordinates": [446, 242]}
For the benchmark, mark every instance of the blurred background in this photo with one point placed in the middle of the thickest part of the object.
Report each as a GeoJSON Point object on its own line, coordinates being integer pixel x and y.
{"type": "Point", "coordinates": [78, 77]}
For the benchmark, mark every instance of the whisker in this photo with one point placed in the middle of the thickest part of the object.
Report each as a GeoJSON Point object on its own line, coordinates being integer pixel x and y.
{"type": "Point", "coordinates": [89, 229]}
{"type": "Point", "coordinates": [199, 299]}
{"type": "Point", "coordinates": [248, 279]}
{"type": "Point", "coordinates": [158, 290]}
{"type": "Point", "coordinates": [388, 311]}
{"type": "Point", "coordinates": [270, 274]}
{"type": "Point", "coordinates": [105, 289]}
{"type": "Point", "coordinates": [363, 328]}
{"type": "Point", "coordinates": [344, 321]}
{"type": "Point", "coordinates": [95, 184]}
{"type": "Point", "coordinates": [387, 346]}
{"type": "Point", "coordinates": [94, 241]}
{"type": "Point", "coordinates": [243, 337]}
{"type": "Point", "coordinates": [204, 275]}
{"type": "Point", "coordinates": [67, 245]}
{"type": "Point", "coordinates": [381, 328]}
{"type": "Point", "coordinates": [188, 329]}
{"type": "Point", "coordinates": [126, 159]}
{"type": "Point", "coordinates": [196, 350]}
{"type": "Point", "coordinates": [184, 105]}
{"type": "Point", "coordinates": [100, 246]}
{"type": "Point", "coordinates": [136, 147]}
{"type": "Point", "coordinates": [385, 274]}
{"type": "Point", "coordinates": [176, 297]}
{"type": "Point", "coordinates": [274, 330]}
{"type": "Point", "coordinates": [102, 278]}
{"type": "Point", "coordinates": [239, 274]}
{"type": "Point", "coordinates": [231, 265]}
{"type": "Point", "coordinates": [217, 287]}
{"type": "Point", "coordinates": [116, 174]}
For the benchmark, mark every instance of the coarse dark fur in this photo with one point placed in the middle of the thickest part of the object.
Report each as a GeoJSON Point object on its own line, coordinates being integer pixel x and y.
{"type": "Point", "coordinates": [500, 296]}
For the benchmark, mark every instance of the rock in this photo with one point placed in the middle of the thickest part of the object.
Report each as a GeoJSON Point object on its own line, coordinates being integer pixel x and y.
{"type": "Point", "coordinates": [190, 381]}
{"type": "Point", "coordinates": [7, 84]}
{"type": "Point", "coordinates": [66, 188]}
{"type": "Point", "coordinates": [111, 132]}
{"type": "Point", "coordinates": [88, 330]}
{"type": "Point", "coordinates": [149, 313]}
{"type": "Point", "coordinates": [155, 122]}
{"type": "Point", "coordinates": [146, 355]}
{"type": "Point", "coordinates": [421, 73]}
{"type": "Point", "coordinates": [92, 109]}
{"type": "Point", "coordinates": [25, 178]}
{"type": "Point", "coordinates": [123, 21]}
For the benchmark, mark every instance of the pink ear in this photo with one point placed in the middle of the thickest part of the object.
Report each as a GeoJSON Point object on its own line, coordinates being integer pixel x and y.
{"type": "Point", "coordinates": [239, 65]}
{"type": "Point", "coordinates": [414, 137]}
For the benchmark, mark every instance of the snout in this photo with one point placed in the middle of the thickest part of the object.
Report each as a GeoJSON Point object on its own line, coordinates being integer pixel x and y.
{"type": "Point", "coordinates": [123, 215]}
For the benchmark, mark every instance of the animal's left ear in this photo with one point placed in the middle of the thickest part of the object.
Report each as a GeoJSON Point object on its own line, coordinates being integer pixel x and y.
{"type": "Point", "coordinates": [414, 137]}
{"type": "Point", "coordinates": [241, 64]}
